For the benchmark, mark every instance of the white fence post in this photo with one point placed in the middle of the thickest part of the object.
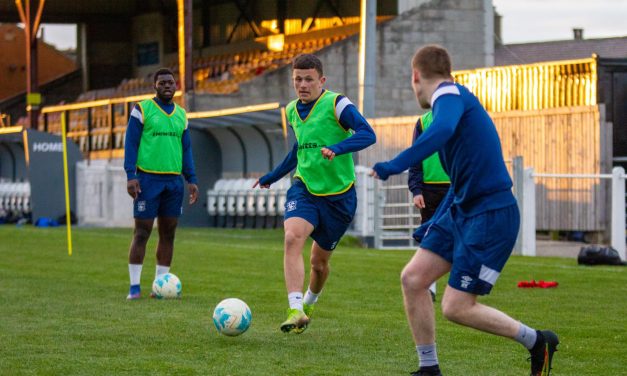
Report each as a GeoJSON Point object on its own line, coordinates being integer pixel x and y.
{"type": "Point", "coordinates": [618, 211]}
{"type": "Point", "coordinates": [379, 203]}
{"type": "Point", "coordinates": [528, 214]}
{"type": "Point", "coordinates": [364, 223]}
{"type": "Point", "coordinates": [518, 171]}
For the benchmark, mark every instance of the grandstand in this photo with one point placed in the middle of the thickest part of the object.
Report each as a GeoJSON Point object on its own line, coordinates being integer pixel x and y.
{"type": "Point", "coordinates": [221, 73]}
{"type": "Point", "coordinates": [243, 67]}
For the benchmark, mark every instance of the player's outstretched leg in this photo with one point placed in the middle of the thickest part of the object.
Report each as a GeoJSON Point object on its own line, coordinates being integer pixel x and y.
{"type": "Point", "coordinates": [542, 353]}
{"type": "Point", "coordinates": [296, 322]}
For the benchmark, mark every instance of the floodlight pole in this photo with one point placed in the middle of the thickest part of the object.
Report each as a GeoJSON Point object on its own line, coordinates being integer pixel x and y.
{"type": "Point", "coordinates": [367, 57]}
{"type": "Point", "coordinates": [184, 8]}
{"type": "Point", "coordinates": [31, 27]}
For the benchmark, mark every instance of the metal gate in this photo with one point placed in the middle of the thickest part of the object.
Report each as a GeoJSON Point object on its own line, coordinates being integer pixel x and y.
{"type": "Point", "coordinates": [396, 217]}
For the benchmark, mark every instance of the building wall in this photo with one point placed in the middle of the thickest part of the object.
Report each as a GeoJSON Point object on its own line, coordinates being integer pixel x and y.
{"type": "Point", "coordinates": [405, 5]}
{"type": "Point", "coordinates": [109, 52]}
{"type": "Point", "coordinates": [52, 64]}
{"type": "Point", "coordinates": [147, 31]}
{"type": "Point", "coordinates": [463, 27]}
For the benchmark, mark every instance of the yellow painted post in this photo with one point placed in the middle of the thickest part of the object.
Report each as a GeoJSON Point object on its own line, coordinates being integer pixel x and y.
{"type": "Point", "coordinates": [68, 217]}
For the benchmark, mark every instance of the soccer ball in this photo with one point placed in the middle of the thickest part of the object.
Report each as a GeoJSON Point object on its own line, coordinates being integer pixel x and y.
{"type": "Point", "coordinates": [167, 286]}
{"type": "Point", "coordinates": [232, 317]}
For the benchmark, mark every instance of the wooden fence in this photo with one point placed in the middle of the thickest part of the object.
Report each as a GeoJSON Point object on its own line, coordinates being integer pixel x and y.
{"type": "Point", "coordinates": [572, 140]}
{"type": "Point", "coordinates": [537, 86]}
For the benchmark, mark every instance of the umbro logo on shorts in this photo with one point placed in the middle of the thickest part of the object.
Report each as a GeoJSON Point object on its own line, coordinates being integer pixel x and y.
{"type": "Point", "coordinates": [290, 206]}
{"type": "Point", "coordinates": [465, 281]}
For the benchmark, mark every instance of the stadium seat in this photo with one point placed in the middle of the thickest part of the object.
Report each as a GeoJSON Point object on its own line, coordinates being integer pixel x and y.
{"type": "Point", "coordinates": [241, 203]}
{"type": "Point", "coordinates": [234, 203]}
{"type": "Point", "coordinates": [222, 202]}
{"type": "Point", "coordinates": [261, 200]}
{"type": "Point", "coordinates": [14, 200]}
{"type": "Point", "coordinates": [212, 201]}
{"type": "Point", "coordinates": [231, 201]}
{"type": "Point", "coordinates": [281, 191]}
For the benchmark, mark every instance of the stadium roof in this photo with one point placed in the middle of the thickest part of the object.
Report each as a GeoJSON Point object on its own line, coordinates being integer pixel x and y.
{"type": "Point", "coordinates": [72, 11]}
{"type": "Point", "coordinates": [268, 113]}
{"type": "Point", "coordinates": [525, 53]}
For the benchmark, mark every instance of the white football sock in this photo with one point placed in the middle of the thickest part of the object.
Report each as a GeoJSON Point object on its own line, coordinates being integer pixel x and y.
{"type": "Point", "coordinates": [432, 288]}
{"type": "Point", "coordinates": [135, 272]}
{"type": "Point", "coordinates": [427, 355]}
{"type": "Point", "coordinates": [310, 297]}
{"type": "Point", "coordinates": [162, 270]}
{"type": "Point", "coordinates": [526, 336]}
{"type": "Point", "coordinates": [296, 300]}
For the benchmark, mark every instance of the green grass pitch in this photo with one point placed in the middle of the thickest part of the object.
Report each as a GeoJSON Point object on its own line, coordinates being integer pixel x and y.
{"type": "Point", "coordinates": [62, 315]}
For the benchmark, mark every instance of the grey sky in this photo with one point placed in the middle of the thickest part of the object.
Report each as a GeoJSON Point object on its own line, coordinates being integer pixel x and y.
{"type": "Point", "coordinates": [542, 20]}
{"type": "Point", "coordinates": [523, 21]}
{"type": "Point", "coordinates": [61, 36]}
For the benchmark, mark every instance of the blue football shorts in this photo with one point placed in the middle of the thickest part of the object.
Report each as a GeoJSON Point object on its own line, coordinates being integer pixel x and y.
{"type": "Point", "coordinates": [476, 246]}
{"type": "Point", "coordinates": [160, 196]}
{"type": "Point", "coordinates": [329, 215]}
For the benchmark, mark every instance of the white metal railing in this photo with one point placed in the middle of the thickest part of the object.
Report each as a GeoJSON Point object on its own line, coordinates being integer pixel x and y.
{"type": "Point", "coordinates": [399, 235]}
{"type": "Point", "coordinates": [395, 222]}
{"type": "Point", "coordinates": [617, 222]}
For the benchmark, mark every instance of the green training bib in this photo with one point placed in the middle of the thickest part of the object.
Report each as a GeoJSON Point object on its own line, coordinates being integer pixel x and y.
{"type": "Point", "coordinates": [161, 147]}
{"type": "Point", "coordinates": [321, 128]}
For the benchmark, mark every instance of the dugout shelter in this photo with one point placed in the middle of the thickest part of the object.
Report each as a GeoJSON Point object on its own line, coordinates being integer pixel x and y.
{"type": "Point", "coordinates": [31, 174]}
